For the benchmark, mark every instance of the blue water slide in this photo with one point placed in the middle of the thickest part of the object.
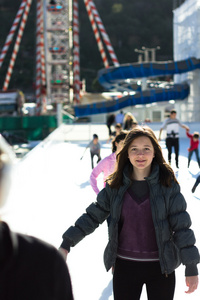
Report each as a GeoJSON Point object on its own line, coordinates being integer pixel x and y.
{"type": "Point", "coordinates": [116, 78]}
{"type": "Point", "coordinates": [178, 91]}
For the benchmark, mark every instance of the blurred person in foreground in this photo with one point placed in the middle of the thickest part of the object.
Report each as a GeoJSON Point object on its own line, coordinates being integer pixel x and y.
{"type": "Point", "coordinates": [29, 268]}
{"type": "Point", "coordinates": [149, 230]}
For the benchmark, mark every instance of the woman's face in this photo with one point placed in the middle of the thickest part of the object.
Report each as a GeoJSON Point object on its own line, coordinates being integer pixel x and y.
{"type": "Point", "coordinates": [141, 153]}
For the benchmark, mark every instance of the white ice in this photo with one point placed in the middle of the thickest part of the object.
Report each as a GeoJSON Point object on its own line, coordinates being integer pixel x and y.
{"type": "Point", "coordinates": [51, 190]}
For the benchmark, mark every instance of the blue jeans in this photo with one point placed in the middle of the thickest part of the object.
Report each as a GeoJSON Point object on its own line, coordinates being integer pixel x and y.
{"type": "Point", "coordinates": [196, 184]}
{"type": "Point", "coordinates": [196, 151]}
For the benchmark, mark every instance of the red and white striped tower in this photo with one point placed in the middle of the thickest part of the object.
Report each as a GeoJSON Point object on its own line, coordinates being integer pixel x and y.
{"type": "Point", "coordinates": [76, 62]}
{"type": "Point", "coordinates": [38, 58]}
{"type": "Point", "coordinates": [17, 44]}
{"type": "Point", "coordinates": [96, 33]}
{"type": "Point", "coordinates": [43, 70]}
{"type": "Point", "coordinates": [12, 32]}
{"type": "Point", "coordinates": [40, 62]}
{"type": "Point", "coordinates": [104, 34]}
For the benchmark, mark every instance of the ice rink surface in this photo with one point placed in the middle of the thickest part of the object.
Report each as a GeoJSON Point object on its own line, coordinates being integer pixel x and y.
{"type": "Point", "coordinates": [51, 189]}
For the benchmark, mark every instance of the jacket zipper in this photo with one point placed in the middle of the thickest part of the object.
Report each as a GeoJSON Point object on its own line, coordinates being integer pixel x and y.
{"type": "Point", "coordinates": [155, 220]}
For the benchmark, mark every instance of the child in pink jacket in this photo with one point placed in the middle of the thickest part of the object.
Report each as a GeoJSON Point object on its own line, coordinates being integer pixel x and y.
{"type": "Point", "coordinates": [107, 164]}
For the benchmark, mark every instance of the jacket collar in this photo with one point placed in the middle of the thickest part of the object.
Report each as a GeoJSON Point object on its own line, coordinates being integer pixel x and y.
{"type": "Point", "coordinates": [153, 178]}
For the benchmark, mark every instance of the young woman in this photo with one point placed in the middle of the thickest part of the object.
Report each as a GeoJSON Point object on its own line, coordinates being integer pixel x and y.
{"type": "Point", "coordinates": [107, 165]}
{"type": "Point", "coordinates": [149, 232]}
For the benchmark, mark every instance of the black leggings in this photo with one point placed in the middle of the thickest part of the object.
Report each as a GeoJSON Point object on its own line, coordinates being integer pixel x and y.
{"type": "Point", "coordinates": [92, 157]}
{"type": "Point", "coordinates": [129, 277]}
{"type": "Point", "coordinates": [170, 142]}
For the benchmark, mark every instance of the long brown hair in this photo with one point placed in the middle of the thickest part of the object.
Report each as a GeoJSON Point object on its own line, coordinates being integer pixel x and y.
{"type": "Point", "coordinates": [166, 174]}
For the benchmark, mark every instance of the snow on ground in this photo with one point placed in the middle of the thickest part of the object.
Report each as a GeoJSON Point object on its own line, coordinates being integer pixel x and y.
{"type": "Point", "coordinates": [51, 190]}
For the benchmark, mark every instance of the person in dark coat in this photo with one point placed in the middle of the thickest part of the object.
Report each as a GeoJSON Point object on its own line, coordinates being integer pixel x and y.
{"type": "Point", "coordinates": [149, 228]}
{"type": "Point", "coordinates": [110, 121]}
{"type": "Point", "coordinates": [30, 269]}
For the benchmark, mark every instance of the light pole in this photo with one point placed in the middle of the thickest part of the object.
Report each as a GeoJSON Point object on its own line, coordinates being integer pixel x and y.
{"type": "Point", "coordinates": [140, 55]}
{"type": "Point", "coordinates": [146, 54]}
{"type": "Point", "coordinates": [143, 51]}
{"type": "Point", "coordinates": [146, 51]}
{"type": "Point", "coordinates": [153, 53]}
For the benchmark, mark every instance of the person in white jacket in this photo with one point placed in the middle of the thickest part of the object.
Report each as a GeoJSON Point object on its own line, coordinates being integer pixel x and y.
{"type": "Point", "coordinates": [107, 164]}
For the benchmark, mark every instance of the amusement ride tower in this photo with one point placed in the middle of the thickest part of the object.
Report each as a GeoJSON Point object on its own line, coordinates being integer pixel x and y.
{"type": "Point", "coordinates": [57, 49]}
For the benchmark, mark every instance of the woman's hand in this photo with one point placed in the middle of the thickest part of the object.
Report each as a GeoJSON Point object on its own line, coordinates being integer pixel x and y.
{"type": "Point", "coordinates": [192, 283]}
{"type": "Point", "coordinates": [64, 252]}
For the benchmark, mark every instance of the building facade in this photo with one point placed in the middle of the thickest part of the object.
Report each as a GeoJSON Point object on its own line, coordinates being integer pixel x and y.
{"type": "Point", "coordinates": [186, 30]}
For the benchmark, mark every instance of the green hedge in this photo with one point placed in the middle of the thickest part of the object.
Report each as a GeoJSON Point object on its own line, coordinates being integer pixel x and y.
{"type": "Point", "coordinates": [30, 127]}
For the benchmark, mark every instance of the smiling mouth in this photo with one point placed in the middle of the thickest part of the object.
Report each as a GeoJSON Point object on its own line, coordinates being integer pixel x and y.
{"type": "Point", "coordinates": [140, 161]}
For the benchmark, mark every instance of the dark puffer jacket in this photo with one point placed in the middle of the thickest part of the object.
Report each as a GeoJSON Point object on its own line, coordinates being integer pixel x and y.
{"type": "Point", "coordinates": [172, 224]}
{"type": "Point", "coordinates": [31, 269]}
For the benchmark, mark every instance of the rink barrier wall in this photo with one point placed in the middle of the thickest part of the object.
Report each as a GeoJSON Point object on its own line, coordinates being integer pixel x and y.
{"type": "Point", "coordinates": [84, 131]}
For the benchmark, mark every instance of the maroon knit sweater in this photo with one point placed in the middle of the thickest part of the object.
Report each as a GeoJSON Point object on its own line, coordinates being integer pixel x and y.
{"type": "Point", "coordinates": [137, 239]}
